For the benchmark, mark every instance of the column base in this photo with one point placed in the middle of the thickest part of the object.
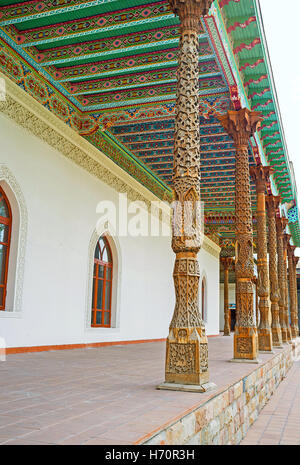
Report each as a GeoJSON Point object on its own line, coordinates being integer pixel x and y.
{"type": "Point", "coordinates": [187, 357]}
{"type": "Point", "coordinates": [266, 351]}
{"type": "Point", "coordinates": [276, 337]}
{"type": "Point", "coordinates": [284, 335]}
{"type": "Point", "coordinates": [245, 360]}
{"type": "Point", "coordinates": [264, 340]}
{"type": "Point", "coordinates": [187, 387]}
{"type": "Point", "coordinates": [245, 343]}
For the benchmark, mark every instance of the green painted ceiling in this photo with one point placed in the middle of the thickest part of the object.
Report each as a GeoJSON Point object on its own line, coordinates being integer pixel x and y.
{"type": "Point", "coordinates": [113, 62]}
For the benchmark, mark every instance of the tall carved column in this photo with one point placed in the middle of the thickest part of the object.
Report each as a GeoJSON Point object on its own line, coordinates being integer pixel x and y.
{"type": "Point", "coordinates": [280, 227]}
{"type": "Point", "coordinates": [241, 125]}
{"type": "Point", "coordinates": [187, 348]}
{"type": "Point", "coordinates": [255, 280]}
{"type": "Point", "coordinates": [296, 326]}
{"type": "Point", "coordinates": [293, 291]}
{"type": "Point", "coordinates": [286, 239]}
{"type": "Point", "coordinates": [272, 205]}
{"type": "Point", "coordinates": [260, 175]}
{"type": "Point", "coordinates": [227, 262]}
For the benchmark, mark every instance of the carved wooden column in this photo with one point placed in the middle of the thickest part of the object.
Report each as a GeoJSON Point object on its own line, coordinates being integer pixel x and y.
{"type": "Point", "coordinates": [227, 262]}
{"type": "Point", "coordinates": [241, 125]}
{"type": "Point", "coordinates": [255, 280]}
{"type": "Point", "coordinates": [286, 239]}
{"type": "Point", "coordinates": [187, 348]}
{"type": "Point", "coordinates": [260, 175]}
{"type": "Point", "coordinates": [280, 227]}
{"type": "Point", "coordinates": [272, 205]}
{"type": "Point", "coordinates": [293, 290]}
{"type": "Point", "coordinates": [295, 328]}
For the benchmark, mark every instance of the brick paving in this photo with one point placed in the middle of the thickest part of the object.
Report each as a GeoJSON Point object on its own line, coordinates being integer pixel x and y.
{"type": "Point", "coordinates": [102, 395]}
{"type": "Point", "coordinates": [279, 421]}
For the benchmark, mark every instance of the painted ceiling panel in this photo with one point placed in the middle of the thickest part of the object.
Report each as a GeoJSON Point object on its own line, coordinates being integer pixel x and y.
{"type": "Point", "coordinates": [108, 69]}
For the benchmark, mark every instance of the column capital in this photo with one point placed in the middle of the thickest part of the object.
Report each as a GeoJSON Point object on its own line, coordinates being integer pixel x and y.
{"type": "Point", "coordinates": [281, 224]}
{"type": "Point", "coordinates": [286, 240]}
{"type": "Point", "coordinates": [261, 175]}
{"type": "Point", "coordinates": [291, 250]}
{"type": "Point", "coordinates": [295, 260]}
{"type": "Point", "coordinates": [241, 125]}
{"type": "Point", "coordinates": [190, 12]}
{"type": "Point", "coordinates": [226, 262]}
{"type": "Point", "coordinates": [272, 202]}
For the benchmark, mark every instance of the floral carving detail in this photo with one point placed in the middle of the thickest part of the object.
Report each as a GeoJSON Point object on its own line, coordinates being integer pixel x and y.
{"type": "Point", "coordinates": [182, 358]}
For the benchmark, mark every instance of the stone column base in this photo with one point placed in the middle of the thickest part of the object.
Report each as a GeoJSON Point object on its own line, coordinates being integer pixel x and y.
{"type": "Point", "coordinates": [187, 356]}
{"type": "Point", "coordinates": [187, 387]}
{"type": "Point", "coordinates": [245, 343]}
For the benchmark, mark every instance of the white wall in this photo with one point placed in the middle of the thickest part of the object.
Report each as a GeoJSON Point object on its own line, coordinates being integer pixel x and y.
{"type": "Point", "coordinates": [61, 201]}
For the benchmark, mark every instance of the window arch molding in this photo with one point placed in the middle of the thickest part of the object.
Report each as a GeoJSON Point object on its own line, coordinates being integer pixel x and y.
{"type": "Point", "coordinates": [15, 278]}
{"type": "Point", "coordinates": [107, 231]}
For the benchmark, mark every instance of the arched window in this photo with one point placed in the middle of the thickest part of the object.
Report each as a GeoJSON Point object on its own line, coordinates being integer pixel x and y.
{"type": "Point", "coordinates": [203, 299]}
{"type": "Point", "coordinates": [5, 234]}
{"type": "Point", "coordinates": [102, 284]}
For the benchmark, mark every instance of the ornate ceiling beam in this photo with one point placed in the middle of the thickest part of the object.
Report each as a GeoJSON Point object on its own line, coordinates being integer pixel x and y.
{"type": "Point", "coordinates": [107, 22]}
{"type": "Point", "coordinates": [31, 10]}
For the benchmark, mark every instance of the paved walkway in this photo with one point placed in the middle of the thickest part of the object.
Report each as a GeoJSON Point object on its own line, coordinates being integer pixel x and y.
{"type": "Point", "coordinates": [279, 421]}
{"type": "Point", "coordinates": [103, 395]}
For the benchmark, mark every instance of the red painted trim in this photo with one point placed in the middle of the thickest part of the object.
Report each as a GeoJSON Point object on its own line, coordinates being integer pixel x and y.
{"type": "Point", "coordinates": [7, 222]}
{"type": "Point", "coordinates": [24, 350]}
{"type": "Point", "coordinates": [216, 50]}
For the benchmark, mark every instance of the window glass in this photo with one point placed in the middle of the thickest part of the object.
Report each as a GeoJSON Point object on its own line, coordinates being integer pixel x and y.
{"type": "Point", "coordinates": [102, 283]}
{"type": "Point", "coordinates": [4, 208]}
{"type": "Point", "coordinates": [99, 318]}
{"type": "Point", "coordinates": [100, 294]}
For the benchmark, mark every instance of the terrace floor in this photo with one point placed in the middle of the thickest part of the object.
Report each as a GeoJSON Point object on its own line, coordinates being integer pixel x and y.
{"type": "Point", "coordinates": [279, 421]}
{"type": "Point", "coordinates": [103, 395]}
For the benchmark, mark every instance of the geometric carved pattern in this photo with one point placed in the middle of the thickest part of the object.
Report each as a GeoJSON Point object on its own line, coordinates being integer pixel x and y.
{"type": "Point", "coordinates": [272, 204]}
{"type": "Point", "coordinates": [241, 125]}
{"type": "Point", "coordinates": [261, 174]}
{"type": "Point", "coordinates": [186, 360]}
{"type": "Point", "coordinates": [182, 358]}
{"type": "Point", "coordinates": [244, 345]}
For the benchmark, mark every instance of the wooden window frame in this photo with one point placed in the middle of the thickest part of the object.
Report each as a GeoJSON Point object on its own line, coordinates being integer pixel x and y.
{"type": "Point", "coordinates": [7, 222]}
{"type": "Point", "coordinates": [105, 280]}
